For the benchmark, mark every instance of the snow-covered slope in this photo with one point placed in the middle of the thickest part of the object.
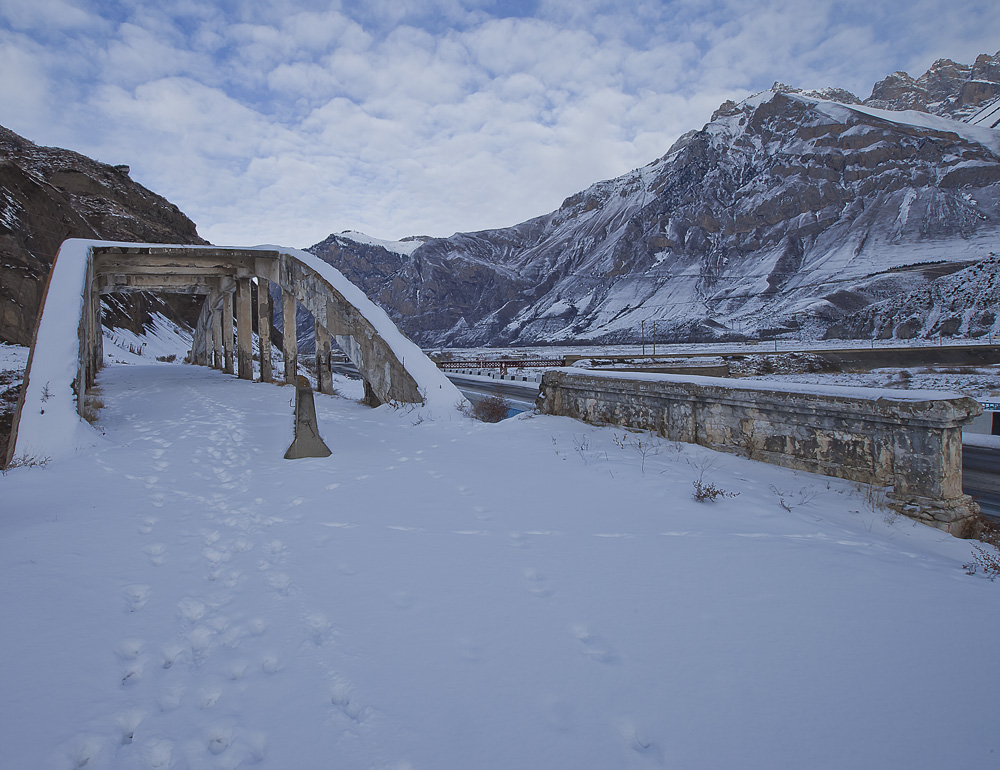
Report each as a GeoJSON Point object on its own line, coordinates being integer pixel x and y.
{"type": "Point", "coordinates": [182, 597]}
{"type": "Point", "coordinates": [786, 212]}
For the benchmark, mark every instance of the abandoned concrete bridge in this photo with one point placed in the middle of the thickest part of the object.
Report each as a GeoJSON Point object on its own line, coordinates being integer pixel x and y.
{"type": "Point", "coordinates": [67, 350]}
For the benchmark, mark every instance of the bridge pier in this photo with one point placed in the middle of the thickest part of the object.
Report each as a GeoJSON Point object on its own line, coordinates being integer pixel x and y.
{"type": "Point", "coordinates": [290, 343]}
{"type": "Point", "coordinates": [199, 343]}
{"type": "Point", "coordinates": [264, 328]}
{"type": "Point", "coordinates": [324, 376]}
{"type": "Point", "coordinates": [214, 303]}
{"type": "Point", "coordinates": [227, 333]}
{"type": "Point", "coordinates": [244, 329]}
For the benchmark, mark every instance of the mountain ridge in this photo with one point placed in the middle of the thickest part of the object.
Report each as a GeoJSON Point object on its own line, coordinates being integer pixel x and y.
{"type": "Point", "coordinates": [785, 213]}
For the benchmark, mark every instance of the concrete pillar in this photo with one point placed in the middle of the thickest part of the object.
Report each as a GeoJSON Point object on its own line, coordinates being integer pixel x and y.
{"type": "Point", "coordinates": [308, 442]}
{"type": "Point", "coordinates": [227, 333]}
{"type": "Point", "coordinates": [264, 328]}
{"type": "Point", "coordinates": [290, 341]}
{"type": "Point", "coordinates": [98, 328]}
{"type": "Point", "coordinates": [244, 329]}
{"type": "Point", "coordinates": [215, 301]}
{"type": "Point", "coordinates": [323, 347]}
{"type": "Point", "coordinates": [199, 341]}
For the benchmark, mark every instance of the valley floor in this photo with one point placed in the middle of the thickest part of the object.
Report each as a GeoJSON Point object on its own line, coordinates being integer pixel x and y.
{"type": "Point", "coordinates": [444, 594]}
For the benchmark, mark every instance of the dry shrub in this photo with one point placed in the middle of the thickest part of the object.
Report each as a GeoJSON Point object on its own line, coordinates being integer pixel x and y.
{"type": "Point", "coordinates": [92, 406]}
{"type": "Point", "coordinates": [24, 461]}
{"type": "Point", "coordinates": [707, 492]}
{"type": "Point", "coordinates": [985, 557]}
{"type": "Point", "coordinates": [491, 409]}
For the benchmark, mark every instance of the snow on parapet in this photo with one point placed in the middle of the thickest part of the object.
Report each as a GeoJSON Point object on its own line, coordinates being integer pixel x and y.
{"type": "Point", "coordinates": [49, 426]}
{"type": "Point", "coordinates": [437, 390]}
{"type": "Point", "coordinates": [397, 247]}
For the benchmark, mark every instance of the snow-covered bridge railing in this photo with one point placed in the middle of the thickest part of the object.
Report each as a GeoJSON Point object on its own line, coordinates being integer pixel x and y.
{"type": "Point", "coordinates": [67, 349]}
{"type": "Point", "coordinates": [909, 440]}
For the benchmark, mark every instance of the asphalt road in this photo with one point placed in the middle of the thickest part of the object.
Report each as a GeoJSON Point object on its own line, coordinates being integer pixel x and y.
{"type": "Point", "coordinates": [981, 477]}
{"type": "Point", "coordinates": [520, 394]}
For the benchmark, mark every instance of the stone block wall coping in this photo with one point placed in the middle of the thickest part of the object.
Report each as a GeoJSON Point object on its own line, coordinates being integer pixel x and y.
{"type": "Point", "coordinates": [931, 407]}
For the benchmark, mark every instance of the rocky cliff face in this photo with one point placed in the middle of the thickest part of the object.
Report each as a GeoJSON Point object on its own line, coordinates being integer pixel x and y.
{"type": "Point", "coordinates": [48, 195]}
{"type": "Point", "coordinates": [788, 212]}
{"type": "Point", "coordinates": [947, 88]}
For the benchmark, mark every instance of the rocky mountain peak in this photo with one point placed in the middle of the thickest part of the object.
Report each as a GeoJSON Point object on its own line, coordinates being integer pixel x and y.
{"type": "Point", "coordinates": [946, 88]}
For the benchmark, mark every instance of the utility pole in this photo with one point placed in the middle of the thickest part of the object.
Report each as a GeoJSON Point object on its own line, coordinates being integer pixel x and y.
{"type": "Point", "coordinates": [642, 333]}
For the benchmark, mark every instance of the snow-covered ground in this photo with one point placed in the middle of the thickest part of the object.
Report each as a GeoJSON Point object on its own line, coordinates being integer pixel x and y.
{"type": "Point", "coordinates": [13, 357]}
{"type": "Point", "coordinates": [445, 594]}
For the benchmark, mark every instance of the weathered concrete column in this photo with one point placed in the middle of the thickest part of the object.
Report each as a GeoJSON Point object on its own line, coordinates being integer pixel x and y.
{"type": "Point", "coordinates": [244, 329]}
{"type": "Point", "coordinates": [215, 300]}
{"type": "Point", "coordinates": [227, 333]}
{"type": "Point", "coordinates": [307, 442]}
{"type": "Point", "coordinates": [290, 343]}
{"type": "Point", "coordinates": [199, 341]}
{"type": "Point", "coordinates": [264, 328]}
{"type": "Point", "coordinates": [323, 349]}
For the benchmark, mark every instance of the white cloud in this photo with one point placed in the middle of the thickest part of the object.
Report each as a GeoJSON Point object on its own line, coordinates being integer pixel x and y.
{"type": "Point", "coordinates": [286, 121]}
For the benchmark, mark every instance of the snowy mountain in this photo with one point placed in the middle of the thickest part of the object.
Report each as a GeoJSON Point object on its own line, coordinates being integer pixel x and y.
{"type": "Point", "coordinates": [47, 195]}
{"type": "Point", "coordinates": [787, 212]}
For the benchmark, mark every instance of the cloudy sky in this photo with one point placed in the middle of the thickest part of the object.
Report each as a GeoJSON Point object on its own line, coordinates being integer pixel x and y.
{"type": "Point", "coordinates": [284, 121]}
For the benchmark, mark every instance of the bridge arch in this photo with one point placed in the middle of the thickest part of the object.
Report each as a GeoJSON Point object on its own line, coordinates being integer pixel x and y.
{"type": "Point", "coordinates": [67, 349]}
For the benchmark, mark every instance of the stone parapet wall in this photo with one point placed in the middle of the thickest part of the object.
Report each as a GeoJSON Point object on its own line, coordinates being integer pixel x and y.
{"type": "Point", "coordinates": [910, 441]}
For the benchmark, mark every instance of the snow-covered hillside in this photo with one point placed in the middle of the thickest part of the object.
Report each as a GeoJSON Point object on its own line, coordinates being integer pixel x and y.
{"type": "Point", "coordinates": [787, 212]}
{"type": "Point", "coordinates": [441, 593]}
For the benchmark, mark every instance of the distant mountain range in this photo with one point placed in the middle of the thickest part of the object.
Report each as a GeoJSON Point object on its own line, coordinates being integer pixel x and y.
{"type": "Point", "coordinates": [790, 213]}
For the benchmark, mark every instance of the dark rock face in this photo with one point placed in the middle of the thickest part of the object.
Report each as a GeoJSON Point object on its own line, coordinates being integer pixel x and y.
{"type": "Point", "coordinates": [947, 88]}
{"type": "Point", "coordinates": [786, 212]}
{"type": "Point", "coordinates": [48, 195]}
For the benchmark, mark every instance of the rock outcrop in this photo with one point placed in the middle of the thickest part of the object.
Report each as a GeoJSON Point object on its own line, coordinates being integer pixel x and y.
{"type": "Point", "coordinates": [49, 194]}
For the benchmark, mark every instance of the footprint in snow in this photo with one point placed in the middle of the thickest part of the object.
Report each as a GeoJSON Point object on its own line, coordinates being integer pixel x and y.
{"type": "Point", "coordinates": [133, 672]}
{"type": "Point", "coordinates": [156, 553]}
{"type": "Point", "coordinates": [318, 628]}
{"type": "Point", "coordinates": [128, 722]}
{"type": "Point", "coordinates": [89, 748]}
{"type": "Point", "coordinates": [279, 582]}
{"type": "Point", "coordinates": [594, 647]}
{"type": "Point", "coordinates": [345, 700]}
{"type": "Point", "coordinates": [537, 583]}
{"type": "Point", "coordinates": [171, 653]}
{"type": "Point", "coordinates": [159, 753]}
{"type": "Point", "coordinates": [136, 597]}
{"type": "Point", "coordinates": [218, 738]}
{"type": "Point", "coordinates": [209, 696]}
